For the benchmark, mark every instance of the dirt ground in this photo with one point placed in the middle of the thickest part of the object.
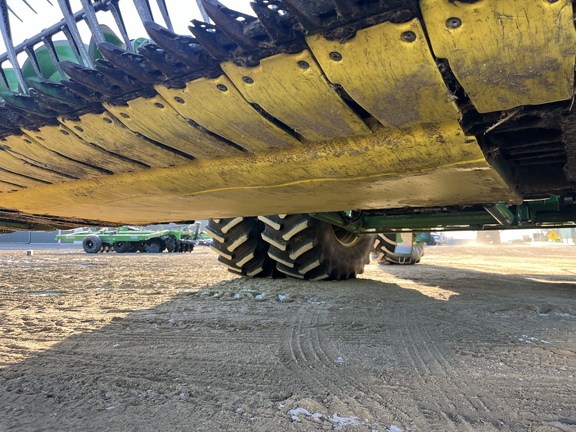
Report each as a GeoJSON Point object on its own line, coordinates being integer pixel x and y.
{"type": "Point", "coordinates": [476, 338]}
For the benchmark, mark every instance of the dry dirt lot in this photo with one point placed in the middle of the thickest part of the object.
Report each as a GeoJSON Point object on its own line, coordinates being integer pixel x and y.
{"type": "Point", "coordinates": [478, 338]}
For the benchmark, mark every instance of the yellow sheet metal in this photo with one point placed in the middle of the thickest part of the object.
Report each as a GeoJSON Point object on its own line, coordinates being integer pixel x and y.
{"type": "Point", "coordinates": [8, 187]}
{"type": "Point", "coordinates": [423, 166]}
{"type": "Point", "coordinates": [156, 119]}
{"type": "Point", "coordinates": [389, 70]}
{"type": "Point", "coordinates": [17, 165]}
{"type": "Point", "coordinates": [13, 181]}
{"type": "Point", "coordinates": [27, 148]}
{"type": "Point", "coordinates": [217, 105]}
{"type": "Point", "coordinates": [506, 53]}
{"type": "Point", "coordinates": [107, 132]}
{"type": "Point", "coordinates": [292, 88]}
{"type": "Point", "coordinates": [63, 141]}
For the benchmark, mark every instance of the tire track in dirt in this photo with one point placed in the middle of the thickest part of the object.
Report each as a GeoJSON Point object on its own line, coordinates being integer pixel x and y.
{"type": "Point", "coordinates": [306, 353]}
{"type": "Point", "coordinates": [483, 404]}
{"type": "Point", "coordinates": [446, 393]}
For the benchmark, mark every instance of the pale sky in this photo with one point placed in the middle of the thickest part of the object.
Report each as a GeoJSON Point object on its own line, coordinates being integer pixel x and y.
{"type": "Point", "coordinates": [181, 13]}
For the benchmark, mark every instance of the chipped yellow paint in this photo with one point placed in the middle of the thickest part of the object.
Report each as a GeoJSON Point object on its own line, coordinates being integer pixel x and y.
{"type": "Point", "coordinates": [20, 166]}
{"type": "Point", "coordinates": [62, 140]}
{"type": "Point", "coordinates": [506, 53]}
{"type": "Point", "coordinates": [217, 105]}
{"type": "Point", "coordinates": [389, 70]}
{"type": "Point", "coordinates": [107, 132]}
{"type": "Point", "coordinates": [292, 88]}
{"type": "Point", "coordinates": [156, 119]}
{"type": "Point", "coordinates": [32, 151]}
{"type": "Point", "coordinates": [422, 166]}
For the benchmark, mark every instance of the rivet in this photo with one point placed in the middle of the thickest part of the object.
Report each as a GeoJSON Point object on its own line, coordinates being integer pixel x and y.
{"type": "Point", "coordinates": [408, 36]}
{"type": "Point", "coordinates": [64, 132]}
{"type": "Point", "coordinates": [107, 120]}
{"type": "Point", "coordinates": [78, 128]}
{"type": "Point", "coordinates": [248, 80]}
{"type": "Point", "coordinates": [303, 65]}
{"type": "Point", "coordinates": [158, 105]}
{"type": "Point", "coordinates": [453, 22]}
{"type": "Point", "coordinates": [222, 87]}
{"type": "Point", "coordinates": [125, 115]}
{"type": "Point", "coordinates": [179, 100]}
{"type": "Point", "coordinates": [336, 56]}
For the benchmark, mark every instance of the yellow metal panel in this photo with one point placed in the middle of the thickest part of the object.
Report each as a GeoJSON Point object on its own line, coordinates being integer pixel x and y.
{"type": "Point", "coordinates": [17, 165]}
{"type": "Point", "coordinates": [156, 119]}
{"type": "Point", "coordinates": [63, 141]}
{"type": "Point", "coordinates": [9, 179]}
{"type": "Point", "coordinates": [29, 149]}
{"type": "Point", "coordinates": [422, 166]}
{"type": "Point", "coordinates": [219, 107]}
{"type": "Point", "coordinates": [293, 89]}
{"type": "Point", "coordinates": [506, 53]}
{"type": "Point", "coordinates": [107, 132]}
{"type": "Point", "coordinates": [389, 70]}
{"type": "Point", "coordinates": [8, 187]}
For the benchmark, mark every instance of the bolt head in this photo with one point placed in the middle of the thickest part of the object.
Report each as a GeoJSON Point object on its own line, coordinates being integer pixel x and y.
{"type": "Point", "coordinates": [408, 36]}
{"type": "Point", "coordinates": [248, 80]}
{"type": "Point", "coordinates": [336, 56]}
{"type": "Point", "coordinates": [453, 22]}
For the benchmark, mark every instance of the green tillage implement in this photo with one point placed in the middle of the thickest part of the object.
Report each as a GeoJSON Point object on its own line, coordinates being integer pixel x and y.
{"type": "Point", "coordinates": [131, 239]}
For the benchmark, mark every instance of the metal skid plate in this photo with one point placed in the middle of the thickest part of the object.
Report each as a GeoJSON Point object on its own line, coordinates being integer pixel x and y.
{"type": "Point", "coordinates": [25, 166]}
{"type": "Point", "coordinates": [36, 161]}
{"type": "Point", "coordinates": [388, 69]}
{"type": "Point", "coordinates": [107, 132]}
{"type": "Point", "coordinates": [430, 165]}
{"type": "Point", "coordinates": [506, 53]}
{"type": "Point", "coordinates": [19, 172]}
{"type": "Point", "coordinates": [293, 89]}
{"type": "Point", "coordinates": [63, 141]}
{"type": "Point", "coordinates": [156, 119]}
{"type": "Point", "coordinates": [217, 105]}
{"type": "Point", "coordinates": [6, 186]}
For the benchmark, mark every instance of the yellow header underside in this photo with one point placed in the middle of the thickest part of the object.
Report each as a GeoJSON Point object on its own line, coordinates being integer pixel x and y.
{"type": "Point", "coordinates": [435, 165]}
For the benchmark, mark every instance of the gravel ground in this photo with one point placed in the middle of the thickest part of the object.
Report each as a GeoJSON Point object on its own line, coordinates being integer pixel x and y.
{"type": "Point", "coordinates": [475, 338]}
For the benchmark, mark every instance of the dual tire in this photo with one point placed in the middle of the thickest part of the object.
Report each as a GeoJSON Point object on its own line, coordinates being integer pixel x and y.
{"type": "Point", "coordinates": [296, 246]}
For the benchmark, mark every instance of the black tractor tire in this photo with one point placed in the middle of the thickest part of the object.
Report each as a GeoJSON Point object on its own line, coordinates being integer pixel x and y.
{"type": "Point", "coordinates": [241, 249]}
{"type": "Point", "coordinates": [307, 248]}
{"type": "Point", "coordinates": [384, 251]}
{"type": "Point", "coordinates": [135, 246]}
{"type": "Point", "coordinates": [171, 244]}
{"type": "Point", "coordinates": [155, 245]}
{"type": "Point", "coordinates": [92, 244]}
{"type": "Point", "coordinates": [121, 247]}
